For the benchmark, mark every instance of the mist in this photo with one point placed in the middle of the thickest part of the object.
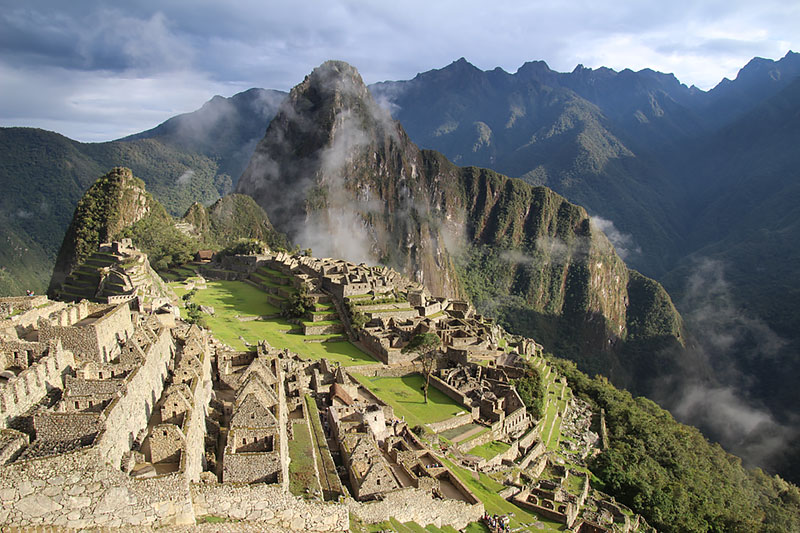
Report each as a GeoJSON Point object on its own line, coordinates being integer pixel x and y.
{"type": "Point", "coordinates": [623, 242]}
{"type": "Point", "coordinates": [721, 405]}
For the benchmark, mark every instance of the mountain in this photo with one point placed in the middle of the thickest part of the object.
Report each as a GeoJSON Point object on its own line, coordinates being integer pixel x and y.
{"type": "Point", "coordinates": [230, 218]}
{"type": "Point", "coordinates": [538, 125]}
{"type": "Point", "coordinates": [224, 129]}
{"type": "Point", "coordinates": [337, 174]}
{"type": "Point", "coordinates": [700, 188]}
{"type": "Point", "coordinates": [44, 174]}
{"type": "Point", "coordinates": [195, 157]}
{"type": "Point", "coordinates": [113, 203]}
{"type": "Point", "coordinates": [117, 206]}
{"type": "Point", "coordinates": [759, 80]}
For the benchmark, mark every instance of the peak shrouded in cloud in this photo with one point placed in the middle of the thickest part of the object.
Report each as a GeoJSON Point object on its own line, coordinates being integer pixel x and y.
{"type": "Point", "coordinates": [74, 66]}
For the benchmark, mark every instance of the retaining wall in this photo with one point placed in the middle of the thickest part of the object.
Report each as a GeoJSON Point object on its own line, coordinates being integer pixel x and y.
{"type": "Point", "coordinates": [80, 490]}
{"type": "Point", "coordinates": [410, 504]}
{"type": "Point", "coordinates": [270, 505]}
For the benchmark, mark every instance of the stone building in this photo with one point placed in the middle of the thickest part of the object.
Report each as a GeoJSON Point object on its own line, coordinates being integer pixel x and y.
{"type": "Point", "coordinates": [256, 449]}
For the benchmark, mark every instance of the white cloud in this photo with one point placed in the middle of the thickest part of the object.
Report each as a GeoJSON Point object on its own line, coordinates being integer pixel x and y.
{"type": "Point", "coordinates": [128, 67]}
{"type": "Point", "coordinates": [623, 242]}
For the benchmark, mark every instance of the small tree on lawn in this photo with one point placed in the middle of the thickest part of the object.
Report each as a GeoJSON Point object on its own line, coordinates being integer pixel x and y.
{"type": "Point", "coordinates": [427, 346]}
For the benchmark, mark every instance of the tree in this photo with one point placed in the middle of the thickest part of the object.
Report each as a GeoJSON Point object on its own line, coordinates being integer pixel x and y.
{"type": "Point", "coordinates": [427, 346]}
{"type": "Point", "coordinates": [531, 390]}
{"type": "Point", "coordinates": [298, 304]}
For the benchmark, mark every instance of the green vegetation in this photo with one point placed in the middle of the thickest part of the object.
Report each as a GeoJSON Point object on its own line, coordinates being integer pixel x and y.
{"type": "Point", "coordinates": [231, 299]}
{"type": "Point", "coordinates": [532, 390]}
{"type": "Point", "coordinates": [211, 519]}
{"type": "Point", "coordinates": [673, 476]}
{"type": "Point", "coordinates": [490, 449]}
{"type": "Point", "coordinates": [166, 247]}
{"type": "Point", "coordinates": [301, 453]}
{"type": "Point", "coordinates": [406, 398]}
{"type": "Point", "coordinates": [234, 217]}
{"type": "Point", "coordinates": [331, 486]}
{"type": "Point", "coordinates": [243, 246]}
{"type": "Point", "coordinates": [487, 489]}
{"type": "Point", "coordinates": [426, 346]}
{"type": "Point", "coordinates": [298, 304]}
{"type": "Point", "coordinates": [45, 174]}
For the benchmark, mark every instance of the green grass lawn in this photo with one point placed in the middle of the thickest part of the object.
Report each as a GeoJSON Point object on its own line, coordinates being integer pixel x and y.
{"type": "Point", "coordinates": [490, 449]}
{"type": "Point", "coordinates": [406, 398]}
{"type": "Point", "coordinates": [301, 467]}
{"type": "Point", "coordinates": [237, 298]}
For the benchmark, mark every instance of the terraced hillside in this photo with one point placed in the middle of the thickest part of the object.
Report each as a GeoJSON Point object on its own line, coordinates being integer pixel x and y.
{"type": "Point", "coordinates": [114, 270]}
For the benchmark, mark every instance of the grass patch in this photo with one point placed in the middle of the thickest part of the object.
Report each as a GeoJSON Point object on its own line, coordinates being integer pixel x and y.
{"type": "Point", "coordinates": [490, 449]}
{"type": "Point", "coordinates": [271, 272]}
{"type": "Point", "coordinates": [476, 435]}
{"type": "Point", "coordinates": [232, 298]}
{"type": "Point", "coordinates": [405, 396]}
{"type": "Point", "coordinates": [211, 519]}
{"type": "Point", "coordinates": [301, 467]}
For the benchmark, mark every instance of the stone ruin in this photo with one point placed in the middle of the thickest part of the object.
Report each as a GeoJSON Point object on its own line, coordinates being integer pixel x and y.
{"type": "Point", "coordinates": [115, 273]}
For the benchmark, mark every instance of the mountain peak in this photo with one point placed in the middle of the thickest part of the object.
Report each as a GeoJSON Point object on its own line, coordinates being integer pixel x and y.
{"type": "Point", "coordinates": [333, 78]}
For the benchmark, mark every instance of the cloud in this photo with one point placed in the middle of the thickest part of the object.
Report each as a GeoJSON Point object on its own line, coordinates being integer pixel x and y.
{"type": "Point", "coordinates": [339, 230]}
{"type": "Point", "coordinates": [710, 390]}
{"type": "Point", "coordinates": [185, 179]}
{"type": "Point", "coordinates": [209, 47]}
{"type": "Point", "coordinates": [743, 427]}
{"type": "Point", "coordinates": [623, 242]}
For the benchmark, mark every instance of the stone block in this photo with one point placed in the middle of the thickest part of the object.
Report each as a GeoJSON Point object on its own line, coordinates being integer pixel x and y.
{"type": "Point", "coordinates": [36, 505]}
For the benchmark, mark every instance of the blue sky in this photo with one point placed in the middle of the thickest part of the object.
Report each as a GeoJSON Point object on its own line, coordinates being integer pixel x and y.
{"type": "Point", "coordinates": [96, 70]}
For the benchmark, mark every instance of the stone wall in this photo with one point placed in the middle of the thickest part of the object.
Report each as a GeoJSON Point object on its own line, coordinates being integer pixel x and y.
{"type": "Point", "coordinates": [129, 414]}
{"type": "Point", "coordinates": [323, 329]}
{"type": "Point", "coordinates": [167, 444]}
{"type": "Point", "coordinates": [489, 436]}
{"type": "Point", "coordinates": [534, 453]}
{"type": "Point", "coordinates": [92, 387]}
{"type": "Point", "coordinates": [256, 467]}
{"type": "Point", "coordinates": [268, 505]}
{"type": "Point", "coordinates": [449, 391]}
{"type": "Point", "coordinates": [98, 340]}
{"type": "Point", "coordinates": [21, 353]}
{"type": "Point", "coordinates": [453, 422]}
{"type": "Point", "coordinates": [383, 371]}
{"type": "Point", "coordinates": [508, 455]}
{"type": "Point", "coordinates": [195, 425]}
{"type": "Point", "coordinates": [22, 392]}
{"type": "Point", "coordinates": [528, 438]}
{"type": "Point", "coordinates": [412, 505]}
{"type": "Point", "coordinates": [80, 490]}
{"type": "Point", "coordinates": [9, 304]}
{"type": "Point", "coordinates": [65, 427]}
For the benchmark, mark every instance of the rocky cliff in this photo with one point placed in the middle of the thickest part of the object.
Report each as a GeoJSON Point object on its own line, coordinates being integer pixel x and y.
{"type": "Point", "coordinates": [337, 174]}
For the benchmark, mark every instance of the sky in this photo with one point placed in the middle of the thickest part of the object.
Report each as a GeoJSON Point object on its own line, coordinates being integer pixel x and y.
{"type": "Point", "coordinates": [99, 70]}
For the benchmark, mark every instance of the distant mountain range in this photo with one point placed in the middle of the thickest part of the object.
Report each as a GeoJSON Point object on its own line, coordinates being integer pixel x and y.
{"type": "Point", "coordinates": [688, 184]}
